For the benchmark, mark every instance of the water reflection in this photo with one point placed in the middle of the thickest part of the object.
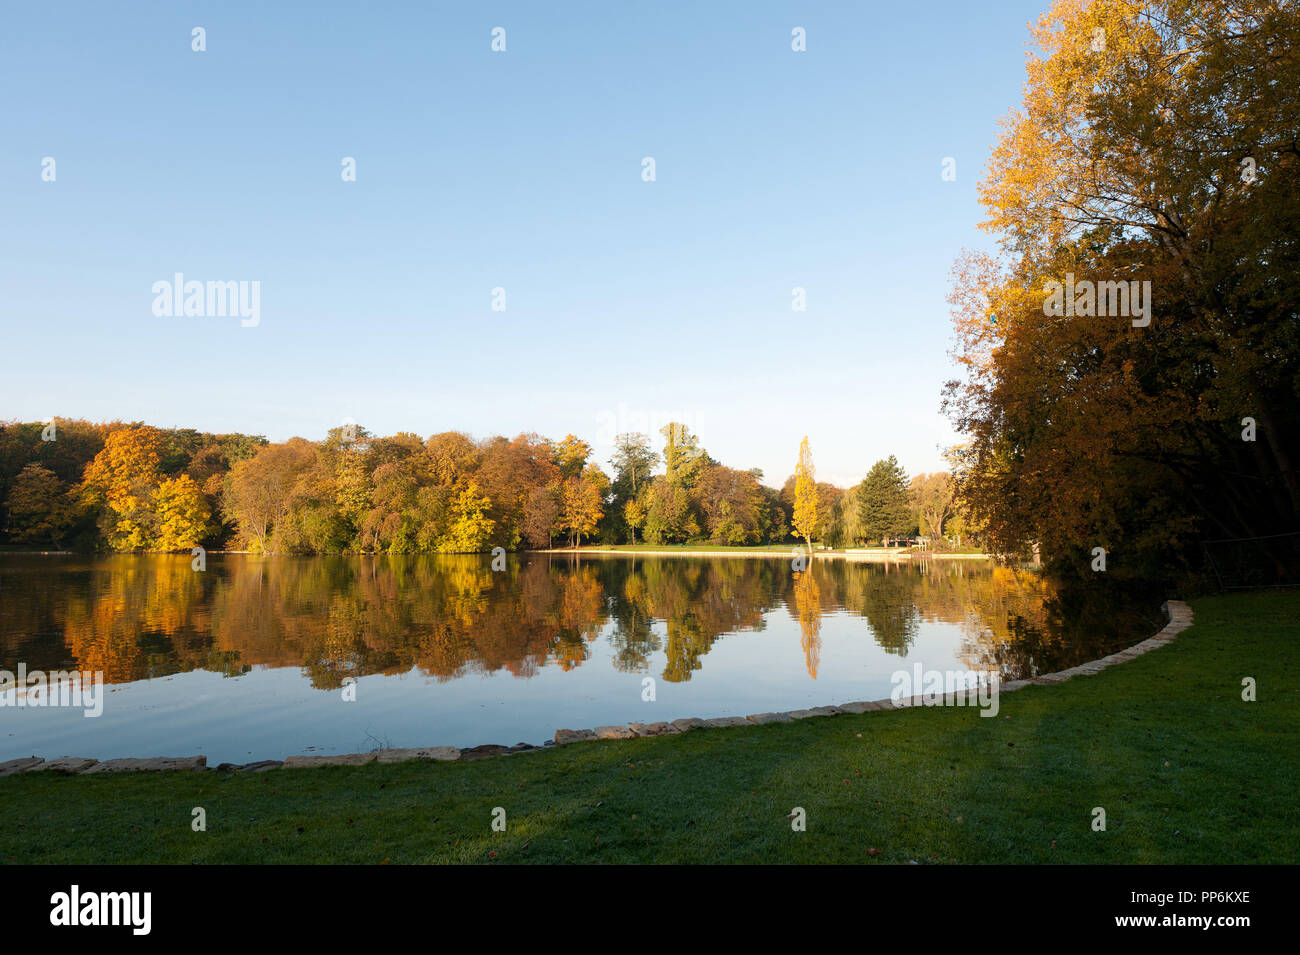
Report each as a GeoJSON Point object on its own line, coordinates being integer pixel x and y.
{"type": "Point", "coordinates": [450, 616]}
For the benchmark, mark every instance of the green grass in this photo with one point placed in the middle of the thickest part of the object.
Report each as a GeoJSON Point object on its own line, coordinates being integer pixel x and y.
{"type": "Point", "coordinates": [1186, 771]}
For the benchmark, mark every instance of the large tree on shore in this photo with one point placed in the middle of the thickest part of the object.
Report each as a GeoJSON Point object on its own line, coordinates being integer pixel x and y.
{"type": "Point", "coordinates": [541, 514]}
{"type": "Point", "coordinates": [633, 461]}
{"type": "Point", "coordinates": [883, 510]}
{"type": "Point", "coordinates": [40, 507]}
{"type": "Point", "coordinates": [932, 497]}
{"type": "Point", "coordinates": [262, 487]}
{"type": "Point", "coordinates": [582, 499]}
{"type": "Point", "coordinates": [683, 456]}
{"type": "Point", "coordinates": [122, 481]}
{"type": "Point", "coordinates": [1157, 143]}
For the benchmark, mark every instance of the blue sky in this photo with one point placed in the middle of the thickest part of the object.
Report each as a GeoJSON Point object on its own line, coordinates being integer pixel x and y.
{"type": "Point", "coordinates": [626, 301]}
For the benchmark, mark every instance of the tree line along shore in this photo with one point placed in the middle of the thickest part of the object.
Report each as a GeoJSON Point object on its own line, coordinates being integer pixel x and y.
{"type": "Point", "coordinates": [129, 487]}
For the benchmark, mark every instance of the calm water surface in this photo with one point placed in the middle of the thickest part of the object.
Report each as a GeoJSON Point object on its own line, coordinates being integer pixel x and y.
{"type": "Point", "coordinates": [246, 660]}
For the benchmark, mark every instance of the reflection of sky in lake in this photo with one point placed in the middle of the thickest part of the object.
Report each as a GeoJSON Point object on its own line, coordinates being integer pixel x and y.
{"type": "Point", "coordinates": [725, 637]}
{"type": "Point", "coordinates": [272, 713]}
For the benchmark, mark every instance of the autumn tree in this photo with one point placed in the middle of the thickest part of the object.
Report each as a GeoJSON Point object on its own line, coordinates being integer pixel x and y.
{"type": "Point", "coordinates": [261, 488]}
{"type": "Point", "coordinates": [508, 473]}
{"type": "Point", "coordinates": [582, 500]}
{"type": "Point", "coordinates": [541, 514]}
{"type": "Point", "coordinates": [931, 496]}
{"type": "Point", "coordinates": [1155, 144]}
{"type": "Point", "coordinates": [123, 479]}
{"type": "Point", "coordinates": [634, 516]}
{"type": "Point", "coordinates": [469, 525]}
{"type": "Point", "coordinates": [804, 518]}
{"type": "Point", "coordinates": [183, 514]}
{"type": "Point", "coordinates": [732, 505]}
{"type": "Point", "coordinates": [452, 456]}
{"type": "Point", "coordinates": [571, 455]}
{"type": "Point", "coordinates": [808, 611]}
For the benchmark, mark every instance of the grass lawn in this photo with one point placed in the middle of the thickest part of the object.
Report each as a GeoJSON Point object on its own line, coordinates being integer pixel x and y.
{"type": "Point", "coordinates": [1186, 772]}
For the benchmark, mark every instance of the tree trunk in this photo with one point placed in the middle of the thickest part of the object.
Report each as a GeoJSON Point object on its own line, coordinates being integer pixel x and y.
{"type": "Point", "coordinates": [1280, 455]}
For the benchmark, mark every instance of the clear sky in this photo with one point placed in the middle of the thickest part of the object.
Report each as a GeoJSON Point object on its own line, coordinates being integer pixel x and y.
{"type": "Point", "coordinates": [626, 301]}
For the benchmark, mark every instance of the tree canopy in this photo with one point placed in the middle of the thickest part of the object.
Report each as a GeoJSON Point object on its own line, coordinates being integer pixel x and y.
{"type": "Point", "coordinates": [1156, 144]}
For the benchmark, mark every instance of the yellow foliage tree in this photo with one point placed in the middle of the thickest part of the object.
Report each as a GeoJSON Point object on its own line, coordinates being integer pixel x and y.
{"type": "Point", "coordinates": [805, 495]}
{"type": "Point", "coordinates": [635, 516]}
{"type": "Point", "coordinates": [808, 608]}
{"type": "Point", "coordinates": [470, 528]}
{"type": "Point", "coordinates": [182, 512]}
{"type": "Point", "coordinates": [582, 503]}
{"type": "Point", "coordinates": [1154, 152]}
{"type": "Point", "coordinates": [123, 479]}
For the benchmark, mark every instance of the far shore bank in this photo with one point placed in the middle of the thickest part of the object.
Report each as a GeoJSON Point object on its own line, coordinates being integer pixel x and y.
{"type": "Point", "coordinates": [866, 553]}
{"type": "Point", "coordinates": [859, 554]}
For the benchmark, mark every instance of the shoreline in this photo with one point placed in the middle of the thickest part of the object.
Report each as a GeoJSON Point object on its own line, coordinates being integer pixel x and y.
{"type": "Point", "coordinates": [858, 554]}
{"type": "Point", "coordinates": [866, 553]}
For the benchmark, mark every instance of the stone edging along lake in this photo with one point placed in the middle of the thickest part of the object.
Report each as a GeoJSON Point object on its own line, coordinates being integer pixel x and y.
{"type": "Point", "coordinates": [1180, 618]}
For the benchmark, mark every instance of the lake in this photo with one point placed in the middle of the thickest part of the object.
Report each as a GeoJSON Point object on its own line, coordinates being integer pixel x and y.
{"type": "Point", "coordinates": [248, 659]}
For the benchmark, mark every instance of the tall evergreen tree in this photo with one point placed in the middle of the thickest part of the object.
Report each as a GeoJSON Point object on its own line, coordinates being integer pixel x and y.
{"type": "Point", "coordinates": [883, 509]}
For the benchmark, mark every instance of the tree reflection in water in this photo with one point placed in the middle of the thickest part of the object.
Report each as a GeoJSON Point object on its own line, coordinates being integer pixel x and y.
{"type": "Point", "coordinates": [145, 616]}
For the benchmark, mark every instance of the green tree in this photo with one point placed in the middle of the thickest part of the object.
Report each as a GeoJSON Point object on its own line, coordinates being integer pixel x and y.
{"type": "Point", "coordinates": [633, 461]}
{"type": "Point", "coordinates": [39, 506]}
{"type": "Point", "coordinates": [670, 518]}
{"type": "Point", "coordinates": [683, 456]}
{"type": "Point", "coordinates": [883, 509]}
